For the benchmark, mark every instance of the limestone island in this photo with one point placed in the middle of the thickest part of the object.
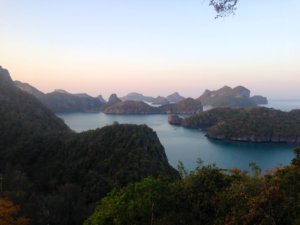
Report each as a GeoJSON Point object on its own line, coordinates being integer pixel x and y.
{"type": "Point", "coordinates": [258, 125]}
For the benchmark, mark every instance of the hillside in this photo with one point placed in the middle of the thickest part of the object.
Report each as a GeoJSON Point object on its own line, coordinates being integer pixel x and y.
{"type": "Point", "coordinates": [56, 175]}
{"type": "Point", "coordinates": [208, 195]}
{"type": "Point", "coordinates": [22, 114]}
{"type": "Point", "coordinates": [251, 125]}
{"type": "Point", "coordinates": [60, 101]}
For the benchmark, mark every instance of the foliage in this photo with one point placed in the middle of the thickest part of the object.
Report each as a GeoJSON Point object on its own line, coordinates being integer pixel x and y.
{"type": "Point", "coordinates": [57, 175]}
{"type": "Point", "coordinates": [224, 7]}
{"type": "Point", "coordinates": [254, 124]}
{"type": "Point", "coordinates": [207, 195]}
{"type": "Point", "coordinates": [9, 213]}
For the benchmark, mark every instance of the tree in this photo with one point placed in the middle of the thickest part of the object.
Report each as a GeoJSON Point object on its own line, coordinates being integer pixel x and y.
{"type": "Point", "coordinates": [224, 7]}
{"type": "Point", "coordinates": [9, 213]}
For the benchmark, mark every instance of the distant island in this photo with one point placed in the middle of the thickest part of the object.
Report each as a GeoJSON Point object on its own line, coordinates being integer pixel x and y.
{"type": "Point", "coordinates": [186, 106]}
{"type": "Point", "coordinates": [61, 101]}
{"type": "Point", "coordinates": [249, 125]}
{"type": "Point", "coordinates": [238, 97]}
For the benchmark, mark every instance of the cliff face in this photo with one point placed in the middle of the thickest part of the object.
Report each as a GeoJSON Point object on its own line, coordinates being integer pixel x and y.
{"type": "Point", "coordinates": [251, 125]}
{"type": "Point", "coordinates": [238, 97]}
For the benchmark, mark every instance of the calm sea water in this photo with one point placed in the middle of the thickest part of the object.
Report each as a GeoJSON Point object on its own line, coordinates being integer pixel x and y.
{"type": "Point", "coordinates": [189, 145]}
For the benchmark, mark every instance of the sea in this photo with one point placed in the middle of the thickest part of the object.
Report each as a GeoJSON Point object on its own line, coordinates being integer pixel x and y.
{"type": "Point", "coordinates": [188, 146]}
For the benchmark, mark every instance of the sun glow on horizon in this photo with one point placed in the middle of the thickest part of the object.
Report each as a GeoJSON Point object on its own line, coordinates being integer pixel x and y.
{"type": "Point", "coordinates": [117, 47]}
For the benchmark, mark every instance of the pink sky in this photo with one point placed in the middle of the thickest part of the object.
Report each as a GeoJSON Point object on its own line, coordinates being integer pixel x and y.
{"type": "Point", "coordinates": [104, 47]}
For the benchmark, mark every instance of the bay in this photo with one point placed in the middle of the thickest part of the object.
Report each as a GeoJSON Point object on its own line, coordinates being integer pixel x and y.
{"type": "Point", "coordinates": [188, 145]}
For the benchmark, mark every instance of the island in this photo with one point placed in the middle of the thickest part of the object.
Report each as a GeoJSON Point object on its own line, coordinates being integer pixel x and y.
{"type": "Point", "coordinates": [259, 124]}
{"type": "Point", "coordinates": [238, 97]}
{"type": "Point", "coordinates": [186, 106]}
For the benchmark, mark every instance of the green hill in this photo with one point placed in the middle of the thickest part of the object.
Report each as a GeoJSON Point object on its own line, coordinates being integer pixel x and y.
{"type": "Point", "coordinates": [57, 175]}
{"type": "Point", "coordinates": [208, 195]}
{"type": "Point", "coordinates": [252, 125]}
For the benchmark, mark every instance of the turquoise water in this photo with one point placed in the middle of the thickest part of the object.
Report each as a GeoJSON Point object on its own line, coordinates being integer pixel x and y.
{"type": "Point", "coordinates": [189, 145]}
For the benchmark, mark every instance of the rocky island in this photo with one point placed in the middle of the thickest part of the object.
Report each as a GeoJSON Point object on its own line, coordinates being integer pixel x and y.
{"type": "Point", "coordinates": [238, 97]}
{"type": "Point", "coordinates": [61, 101]}
{"type": "Point", "coordinates": [250, 125]}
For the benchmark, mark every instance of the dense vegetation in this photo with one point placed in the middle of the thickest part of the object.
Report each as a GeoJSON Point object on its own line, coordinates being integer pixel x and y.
{"type": "Point", "coordinates": [51, 175]}
{"type": "Point", "coordinates": [55, 175]}
{"type": "Point", "coordinates": [208, 195]}
{"type": "Point", "coordinates": [253, 124]}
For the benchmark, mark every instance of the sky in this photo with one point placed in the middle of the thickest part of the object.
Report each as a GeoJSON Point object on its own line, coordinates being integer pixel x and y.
{"type": "Point", "coordinates": [154, 47]}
